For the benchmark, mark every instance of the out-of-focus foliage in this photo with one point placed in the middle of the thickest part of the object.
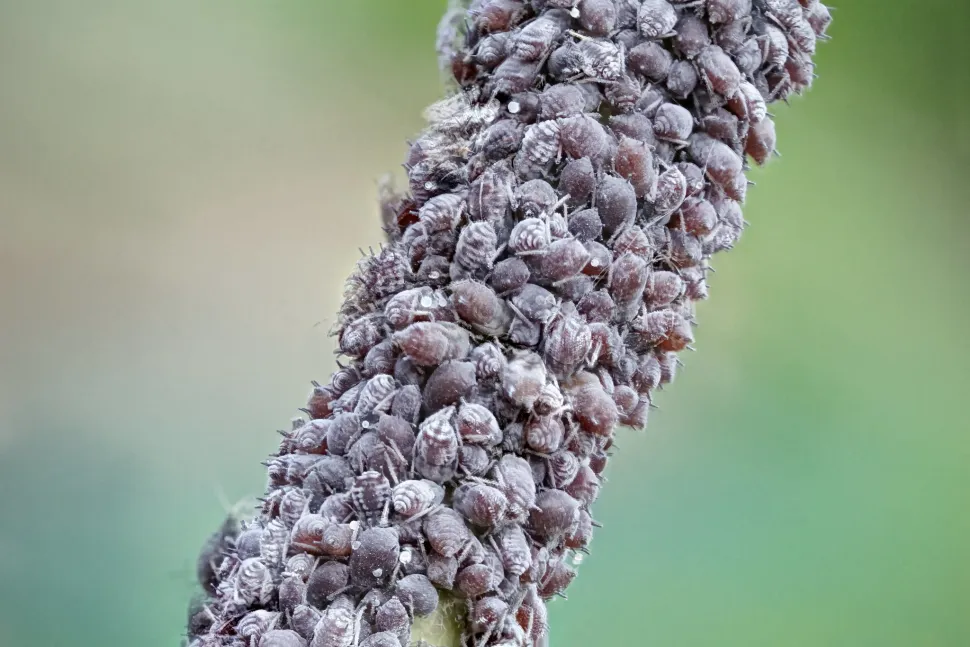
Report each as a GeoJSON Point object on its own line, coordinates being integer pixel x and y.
{"type": "Point", "coordinates": [183, 187]}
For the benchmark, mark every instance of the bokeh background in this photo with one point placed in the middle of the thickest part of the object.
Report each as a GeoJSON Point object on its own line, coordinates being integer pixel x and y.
{"type": "Point", "coordinates": [184, 186]}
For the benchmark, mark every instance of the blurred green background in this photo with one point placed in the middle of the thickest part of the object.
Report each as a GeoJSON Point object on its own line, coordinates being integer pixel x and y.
{"type": "Point", "coordinates": [183, 188]}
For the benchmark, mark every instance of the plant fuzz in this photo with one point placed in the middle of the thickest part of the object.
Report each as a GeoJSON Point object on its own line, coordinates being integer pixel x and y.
{"type": "Point", "coordinates": [537, 285]}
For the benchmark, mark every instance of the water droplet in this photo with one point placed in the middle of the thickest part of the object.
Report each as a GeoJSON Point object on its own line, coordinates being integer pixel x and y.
{"type": "Point", "coordinates": [514, 107]}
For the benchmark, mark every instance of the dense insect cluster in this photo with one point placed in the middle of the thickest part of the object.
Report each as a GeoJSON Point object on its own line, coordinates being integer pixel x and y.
{"type": "Point", "coordinates": [536, 288]}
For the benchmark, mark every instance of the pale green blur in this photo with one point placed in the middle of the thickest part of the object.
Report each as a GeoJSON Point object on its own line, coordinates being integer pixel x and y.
{"type": "Point", "coordinates": [184, 185]}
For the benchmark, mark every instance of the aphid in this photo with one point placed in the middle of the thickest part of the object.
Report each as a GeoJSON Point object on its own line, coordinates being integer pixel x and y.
{"type": "Point", "coordinates": [509, 275]}
{"type": "Point", "coordinates": [254, 624]}
{"type": "Point", "coordinates": [636, 126]}
{"type": "Point", "coordinates": [577, 180]}
{"type": "Point", "coordinates": [300, 565]}
{"type": "Point", "coordinates": [623, 93]}
{"type": "Point", "coordinates": [529, 236]}
{"type": "Point", "coordinates": [360, 335]}
{"type": "Point", "coordinates": [668, 330]}
{"type": "Point", "coordinates": [656, 18]}
{"type": "Point", "coordinates": [681, 79]}
{"type": "Point", "coordinates": [692, 35]}
{"type": "Point", "coordinates": [489, 197]}
{"type": "Point", "coordinates": [557, 578]}
{"type": "Point", "coordinates": [760, 143]}
{"type": "Point", "coordinates": [304, 619]}
{"type": "Point", "coordinates": [673, 123]}
{"type": "Point", "coordinates": [582, 136]}
{"type": "Point", "coordinates": [377, 394]}
{"type": "Point", "coordinates": [634, 162]}
{"type": "Point", "coordinates": [628, 278]}
{"type": "Point", "coordinates": [348, 400]}
{"type": "Point", "coordinates": [395, 431]}
{"type": "Point", "coordinates": [328, 580]}
{"type": "Point", "coordinates": [523, 378]}
{"type": "Point", "coordinates": [333, 471]}
{"type": "Point", "coordinates": [411, 498]}
{"type": "Point", "coordinates": [489, 361]}
{"type": "Point", "coordinates": [581, 535]}
{"type": "Point", "coordinates": [407, 403]}
{"type": "Point", "coordinates": [535, 198]}
{"type": "Point", "coordinates": [585, 486]}
{"type": "Point", "coordinates": [477, 425]}
{"type": "Point", "coordinates": [441, 213]}
{"type": "Point", "coordinates": [412, 305]}
{"type": "Point", "coordinates": [446, 532]}
{"type": "Point", "coordinates": [651, 60]}
{"type": "Point", "coordinates": [696, 283]}
{"type": "Point", "coordinates": [381, 359]}
{"type": "Point", "coordinates": [568, 341]}
{"type": "Point", "coordinates": [563, 100]}
{"type": "Point", "coordinates": [663, 288]}
{"type": "Point", "coordinates": [616, 202]}
{"type": "Point", "coordinates": [635, 241]}
{"type": "Point", "coordinates": [282, 638]}
{"type": "Point", "coordinates": [370, 497]}
{"type": "Point", "coordinates": [819, 17]}
{"type": "Point", "coordinates": [555, 514]}
{"type": "Point", "coordinates": [307, 533]}
{"type": "Point", "coordinates": [479, 306]}
{"type": "Point", "coordinates": [431, 343]}
{"type": "Point", "coordinates": [334, 629]}
{"type": "Point", "coordinates": [600, 59]}
{"type": "Point", "coordinates": [436, 448]}
{"type": "Point", "coordinates": [596, 306]}
{"type": "Point", "coordinates": [418, 594]}
{"type": "Point", "coordinates": [434, 271]}
{"type": "Point", "coordinates": [482, 505]}
{"type": "Point", "coordinates": [593, 408]}
{"type": "Point", "coordinates": [381, 639]}
{"type": "Point", "coordinates": [318, 402]}
{"type": "Point", "coordinates": [513, 75]}
{"type": "Point", "coordinates": [474, 460]}
{"type": "Point", "coordinates": [564, 259]}
{"type": "Point", "coordinates": [492, 50]}
{"type": "Point", "coordinates": [311, 438]}
{"type": "Point", "coordinates": [448, 384]}
{"type": "Point", "coordinates": [292, 505]}
{"type": "Point", "coordinates": [565, 62]}
{"type": "Point", "coordinates": [442, 570]}
{"type": "Point", "coordinates": [722, 11]}
{"type": "Point", "coordinates": [540, 146]}
{"type": "Point", "coordinates": [535, 40]}
{"type": "Point", "coordinates": [499, 15]}
{"type": "Point", "coordinates": [671, 191]}
{"type": "Point", "coordinates": [544, 434]}
{"type": "Point", "coordinates": [253, 583]}
{"type": "Point", "coordinates": [550, 400]}
{"type": "Point", "coordinates": [695, 216]}
{"type": "Point", "coordinates": [375, 557]}
{"type": "Point", "coordinates": [720, 162]}
{"type": "Point", "coordinates": [597, 17]}
{"type": "Point", "coordinates": [475, 250]}
{"type": "Point", "coordinates": [476, 580]}
{"type": "Point", "coordinates": [748, 57]}
{"type": "Point", "coordinates": [500, 140]}
{"type": "Point", "coordinates": [341, 430]}
{"type": "Point", "coordinates": [487, 613]}
{"type": "Point", "coordinates": [514, 476]}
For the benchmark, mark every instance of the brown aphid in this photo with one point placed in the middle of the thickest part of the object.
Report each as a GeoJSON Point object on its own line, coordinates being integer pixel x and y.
{"type": "Point", "coordinates": [489, 361]}
{"type": "Point", "coordinates": [636, 126]}
{"type": "Point", "coordinates": [434, 271]}
{"type": "Point", "coordinates": [255, 624]}
{"type": "Point", "coordinates": [529, 236]}
{"type": "Point", "coordinates": [381, 359]}
{"type": "Point", "coordinates": [370, 497]}
{"type": "Point", "coordinates": [254, 582]}
{"type": "Point", "coordinates": [563, 259]}
{"type": "Point", "coordinates": [577, 180]}
{"type": "Point", "coordinates": [509, 275]}
{"type": "Point", "coordinates": [375, 556]}
{"type": "Point", "coordinates": [692, 35]}
{"type": "Point", "coordinates": [761, 140]}
{"type": "Point", "coordinates": [581, 136]}
{"type": "Point", "coordinates": [696, 216]}
{"type": "Point", "coordinates": [380, 639]}
{"type": "Point", "coordinates": [411, 498]}
{"type": "Point", "coordinates": [393, 617]}
{"type": "Point", "coordinates": [624, 93]}
{"type": "Point", "coordinates": [475, 250]}
{"type": "Point", "coordinates": [557, 579]}
{"type": "Point", "coordinates": [376, 395]}
{"type": "Point", "coordinates": [671, 191]}
{"type": "Point", "coordinates": [651, 60]}
{"type": "Point", "coordinates": [396, 432]}
{"type": "Point", "coordinates": [326, 581]}
{"type": "Point", "coordinates": [442, 571]}
{"type": "Point", "coordinates": [616, 202]}
{"type": "Point", "coordinates": [540, 146]}
{"type": "Point", "coordinates": [686, 250]}
{"type": "Point", "coordinates": [581, 535]}
{"type": "Point", "coordinates": [487, 613]}
{"type": "Point", "coordinates": [281, 638]}
{"type": "Point", "coordinates": [555, 514]}
{"type": "Point", "coordinates": [307, 533]}
{"type": "Point", "coordinates": [407, 402]}
{"type": "Point", "coordinates": [360, 335]}
{"type": "Point", "coordinates": [533, 617]}
{"type": "Point", "coordinates": [500, 15]}
{"type": "Point", "coordinates": [720, 162]}
{"type": "Point", "coordinates": [600, 59]}
{"type": "Point", "coordinates": [492, 50]}
{"type": "Point", "coordinates": [318, 403]}
{"type": "Point", "coordinates": [514, 475]}
{"type": "Point", "coordinates": [311, 438]}
{"type": "Point", "coordinates": [586, 225]}
{"type": "Point", "coordinates": [479, 306]}
{"type": "Point", "coordinates": [695, 279]}
{"type": "Point", "coordinates": [562, 467]}
{"type": "Point", "coordinates": [673, 123]}
{"type": "Point", "coordinates": [634, 162]}
{"type": "Point", "coordinates": [656, 19]}
{"type": "Point", "coordinates": [567, 343]}
{"type": "Point", "coordinates": [561, 101]}
{"type": "Point", "coordinates": [628, 278]}
{"type": "Point", "coordinates": [722, 11]}
{"type": "Point", "coordinates": [635, 241]}
{"type": "Point", "coordinates": [535, 198]}
{"type": "Point", "coordinates": [448, 384]}
{"type": "Point", "coordinates": [474, 460]}
{"type": "Point", "coordinates": [723, 125]}
{"type": "Point", "coordinates": [446, 532]}
{"type": "Point", "coordinates": [662, 289]}
{"type": "Point", "coordinates": [585, 487]}
{"type": "Point", "coordinates": [594, 409]}
{"type": "Point", "coordinates": [718, 71]}
{"type": "Point", "coordinates": [475, 580]}
{"type": "Point", "coordinates": [544, 434]}
{"type": "Point", "coordinates": [523, 378]}
{"type": "Point", "coordinates": [535, 40]}
{"type": "Point", "coordinates": [482, 505]}
{"type": "Point", "coordinates": [523, 107]}
{"type": "Point", "coordinates": [304, 619]}
{"type": "Point", "coordinates": [441, 213]}
{"type": "Point", "coordinates": [489, 196]}
{"type": "Point", "coordinates": [681, 79]}
{"type": "Point", "coordinates": [477, 425]}
{"type": "Point", "coordinates": [819, 17]}
{"type": "Point", "coordinates": [418, 594]}
{"type": "Point", "coordinates": [596, 307]}
{"type": "Point", "coordinates": [668, 330]}
{"type": "Point", "coordinates": [431, 343]}
{"type": "Point", "coordinates": [597, 17]}
{"type": "Point", "coordinates": [436, 448]}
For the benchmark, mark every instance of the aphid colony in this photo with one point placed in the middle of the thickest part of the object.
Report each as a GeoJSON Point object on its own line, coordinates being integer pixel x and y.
{"type": "Point", "coordinates": [537, 287]}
